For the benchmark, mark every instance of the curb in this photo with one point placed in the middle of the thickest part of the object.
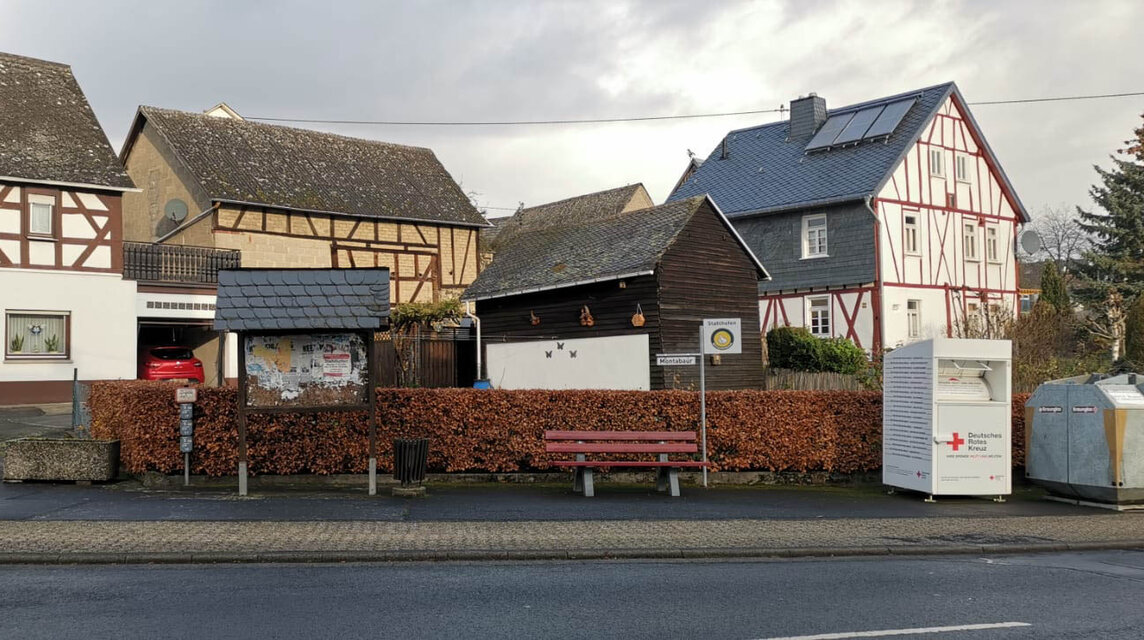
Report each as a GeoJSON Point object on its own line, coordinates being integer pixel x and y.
{"type": "Point", "coordinates": [495, 555]}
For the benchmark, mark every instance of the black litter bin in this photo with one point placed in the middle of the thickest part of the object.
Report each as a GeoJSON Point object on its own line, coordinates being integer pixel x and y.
{"type": "Point", "coordinates": [410, 460]}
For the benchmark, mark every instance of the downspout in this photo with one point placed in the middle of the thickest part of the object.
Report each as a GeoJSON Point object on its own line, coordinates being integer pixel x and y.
{"type": "Point", "coordinates": [476, 323]}
{"type": "Point", "coordinates": [868, 200]}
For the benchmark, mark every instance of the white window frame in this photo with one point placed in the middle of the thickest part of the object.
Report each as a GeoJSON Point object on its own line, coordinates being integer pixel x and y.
{"type": "Point", "coordinates": [937, 163]}
{"type": "Point", "coordinates": [32, 351]}
{"type": "Point", "coordinates": [816, 328]}
{"type": "Point", "coordinates": [913, 318]}
{"type": "Point", "coordinates": [911, 235]}
{"type": "Point", "coordinates": [992, 243]}
{"type": "Point", "coordinates": [39, 232]}
{"type": "Point", "coordinates": [961, 169]}
{"type": "Point", "coordinates": [818, 247]}
{"type": "Point", "coordinates": [969, 241]}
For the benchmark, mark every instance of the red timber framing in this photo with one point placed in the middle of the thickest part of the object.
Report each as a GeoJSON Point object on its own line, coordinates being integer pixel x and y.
{"type": "Point", "coordinates": [845, 305]}
{"type": "Point", "coordinates": [78, 232]}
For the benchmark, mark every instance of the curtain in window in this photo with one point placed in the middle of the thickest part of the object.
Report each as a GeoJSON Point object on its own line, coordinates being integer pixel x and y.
{"type": "Point", "coordinates": [31, 334]}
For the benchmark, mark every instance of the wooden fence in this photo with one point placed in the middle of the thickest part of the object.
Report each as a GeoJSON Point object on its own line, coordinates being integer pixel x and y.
{"type": "Point", "coordinates": [436, 362]}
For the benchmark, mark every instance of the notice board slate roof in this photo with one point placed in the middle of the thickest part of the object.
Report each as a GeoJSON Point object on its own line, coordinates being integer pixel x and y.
{"type": "Point", "coordinates": [48, 131]}
{"type": "Point", "coordinates": [766, 170]}
{"type": "Point", "coordinates": [302, 299]}
{"type": "Point", "coordinates": [241, 161]}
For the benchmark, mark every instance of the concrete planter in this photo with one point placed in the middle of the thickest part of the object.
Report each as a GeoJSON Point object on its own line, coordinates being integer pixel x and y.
{"type": "Point", "coordinates": [61, 459]}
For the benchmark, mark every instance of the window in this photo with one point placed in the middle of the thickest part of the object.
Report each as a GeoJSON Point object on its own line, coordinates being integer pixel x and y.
{"type": "Point", "coordinates": [914, 318]}
{"type": "Point", "coordinates": [818, 311]}
{"type": "Point", "coordinates": [36, 334]}
{"type": "Point", "coordinates": [814, 236]}
{"type": "Point", "coordinates": [911, 235]}
{"type": "Point", "coordinates": [961, 168]}
{"type": "Point", "coordinates": [992, 244]}
{"type": "Point", "coordinates": [970, 240]}
{"type": "Point", "coordinates": [39, 219]}
{"type": "Point", "coordinates": [936, 163]}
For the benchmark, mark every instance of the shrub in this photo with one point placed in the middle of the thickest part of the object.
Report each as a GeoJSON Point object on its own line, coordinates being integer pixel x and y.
{"type": "Point", "coordinates": [796, 348]}
{"type": "Point", "coordinates": [841, 355]}
{"type": "Point", "coordinates": [500, 431]}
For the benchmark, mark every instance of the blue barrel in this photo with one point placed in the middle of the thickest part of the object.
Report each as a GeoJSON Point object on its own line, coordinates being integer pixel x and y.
{"type": "Point", "coordinates": [482, 384]}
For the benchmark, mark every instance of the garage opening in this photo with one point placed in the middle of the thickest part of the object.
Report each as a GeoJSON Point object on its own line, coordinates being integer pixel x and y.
{"type": "Point", "coordinates": [196, 336]}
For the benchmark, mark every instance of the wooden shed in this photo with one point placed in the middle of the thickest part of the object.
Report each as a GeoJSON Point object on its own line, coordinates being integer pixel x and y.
{"type": "Point", "coordinates": [576, 295]}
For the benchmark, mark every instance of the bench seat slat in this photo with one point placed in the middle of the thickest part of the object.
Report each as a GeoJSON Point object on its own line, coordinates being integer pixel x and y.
{"type": "Point", "coordinates": [630, 463]}
{"type": "Point", "coordinates": [637, 436]}
{"type": "Point", "coordinates": [620, 447]}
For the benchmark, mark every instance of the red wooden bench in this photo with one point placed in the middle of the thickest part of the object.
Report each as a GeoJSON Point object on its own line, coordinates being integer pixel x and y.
{"type": "Point", "coordinates": [658, 443]}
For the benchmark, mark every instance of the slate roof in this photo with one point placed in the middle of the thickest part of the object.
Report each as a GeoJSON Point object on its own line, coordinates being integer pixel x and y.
{"type": "Point", "coordinates": [588, 247]}
{"type": "Point", "coordinates": [575, 210]}
{"type": "Point", "coordinates": [251, 162]}
{"type": "Point", "coordinates": [301, 299]}
{"type": "Point", "coordinates": [764, 171]}
{"type": "Point", "coordinates": [48, 131]}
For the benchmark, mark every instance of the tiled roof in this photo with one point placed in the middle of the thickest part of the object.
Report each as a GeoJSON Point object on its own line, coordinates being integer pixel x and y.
{"type": "Point", "coordinates": [301, 299]}
{"type": "Point", "coordinates": [251, 162]}
{"type": "Point", "coordinates": [575, 210]}
{"type": "Point", "coordinates": [48, 131]}
{"type": "Point", "coordinates": [765, 170]}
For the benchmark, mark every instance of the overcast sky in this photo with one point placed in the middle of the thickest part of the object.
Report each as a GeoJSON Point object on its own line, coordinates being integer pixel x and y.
{"type": "Point", "coordinates": [521, 60]}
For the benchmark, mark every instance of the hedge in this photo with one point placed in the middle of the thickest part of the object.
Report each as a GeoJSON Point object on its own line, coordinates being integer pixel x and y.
{"type": "Point", "coordinates": [500, 431]}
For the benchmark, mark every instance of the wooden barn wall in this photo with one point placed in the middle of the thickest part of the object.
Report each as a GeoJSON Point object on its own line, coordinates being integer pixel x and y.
{"type": "Point", "coordinates": [706, 274]}
{"type": "Point", "coordinates": [507, 319]}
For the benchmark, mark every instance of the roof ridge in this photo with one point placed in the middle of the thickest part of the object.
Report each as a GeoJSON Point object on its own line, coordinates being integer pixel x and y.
{"type": "Point", "coordinates": [246, 121]}
{"type": "Point", "coordinates": [584, 195]}
{"type": "Point", "coordinates": [14, 56]}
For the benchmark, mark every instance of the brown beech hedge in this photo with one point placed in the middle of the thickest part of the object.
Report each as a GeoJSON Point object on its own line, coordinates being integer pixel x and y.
{"type": "Point", "coordinates": [501, 431]}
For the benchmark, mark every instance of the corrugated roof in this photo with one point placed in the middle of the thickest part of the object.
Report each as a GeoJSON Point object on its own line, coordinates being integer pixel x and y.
{"type": "Point", "coordinates": [301, 299]}
{"type": "Point", "coordinates": [301, 169]}
{"type": "Point", "coordinates": [48, 131]}
{"type": "Point", "coordinates": [766, 170]}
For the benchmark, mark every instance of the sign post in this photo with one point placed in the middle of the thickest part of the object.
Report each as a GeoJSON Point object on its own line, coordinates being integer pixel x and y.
{"type": "Point", "coordinates": [716, 337]}
{"type": "Point", "coordinates": [186, 397]}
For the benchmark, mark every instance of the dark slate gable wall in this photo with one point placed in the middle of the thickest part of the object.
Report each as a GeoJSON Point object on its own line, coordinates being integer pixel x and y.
{"type": "Point", "coordinates": [706, 274]}
{"type": "Point", "coordinates": [507, 319]}
{"type": "Point", "coordinates": [776, 238]}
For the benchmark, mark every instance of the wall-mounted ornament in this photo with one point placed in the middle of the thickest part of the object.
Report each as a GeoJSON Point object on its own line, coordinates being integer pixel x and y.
{"type": "Point", "coordinates": [638, 319]}
{"type": "Point", "coordinates": [586, 319]}
{"type": "Point", "coordinates": [533, 318]}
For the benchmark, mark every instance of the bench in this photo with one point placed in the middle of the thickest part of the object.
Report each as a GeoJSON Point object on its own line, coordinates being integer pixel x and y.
{"type": "Point", "coordinates": [658, 443]}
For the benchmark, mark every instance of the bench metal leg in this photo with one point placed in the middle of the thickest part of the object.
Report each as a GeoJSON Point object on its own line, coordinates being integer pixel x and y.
{"type": "Point", "coordinates": [578, 477]}
{"type": "Point", "coordinates": [661, 474]}
{"type": "Point", "coordinates": [589, 490]}
{"type": "Point", "coordinates": [673, 480]}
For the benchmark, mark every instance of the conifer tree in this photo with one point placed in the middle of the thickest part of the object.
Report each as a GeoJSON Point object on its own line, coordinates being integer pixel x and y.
{"type": "Point", "coordinates": [1053, 289]}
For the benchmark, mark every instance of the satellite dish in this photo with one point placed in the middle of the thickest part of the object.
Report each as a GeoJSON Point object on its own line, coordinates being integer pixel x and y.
{"type": "Point", "coordinates": [1030, 241]}
{"type": "Point", "coordinates": [175, 210]}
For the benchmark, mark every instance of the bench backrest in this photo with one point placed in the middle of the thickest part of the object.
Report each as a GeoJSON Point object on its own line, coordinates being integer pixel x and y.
{"type": "Point", "coordinates": [620, 442]}
{"type": "Point", "coordinates": [622, 436]}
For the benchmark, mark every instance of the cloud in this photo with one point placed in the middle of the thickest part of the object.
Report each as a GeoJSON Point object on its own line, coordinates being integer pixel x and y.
{"type": "Point", "coordinates": [453, 60]}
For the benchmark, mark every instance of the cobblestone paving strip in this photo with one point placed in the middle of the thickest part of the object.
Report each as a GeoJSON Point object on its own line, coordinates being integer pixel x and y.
{"type": "Point", "coordinates": [66, 537]}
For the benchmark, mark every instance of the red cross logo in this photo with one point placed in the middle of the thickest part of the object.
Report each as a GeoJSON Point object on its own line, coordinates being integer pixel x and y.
{"type": "Point", "coordinates": [957, 441]}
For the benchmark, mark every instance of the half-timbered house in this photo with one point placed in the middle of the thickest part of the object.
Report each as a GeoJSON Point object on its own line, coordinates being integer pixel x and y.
{"type": "Point", "coordinates": [66, 307]}
{"type": "Point", "coordinates": [583, 293]}
{"type": "Point", "coordinates": [883, 222]}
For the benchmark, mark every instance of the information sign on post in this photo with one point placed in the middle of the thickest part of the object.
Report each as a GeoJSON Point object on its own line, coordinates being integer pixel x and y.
{"type": "Point", "coordinates": [186, 397]}
{"type": "Point", "coordinates": [722, 335]}
{"type": "Point", "coordinates": [674, 360]}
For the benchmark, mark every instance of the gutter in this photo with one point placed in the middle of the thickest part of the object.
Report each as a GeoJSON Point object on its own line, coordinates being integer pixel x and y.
{"type": "Point", "coordinates": [74, 185]}
{"type": "Point", "coordinates": [476, 323]}
{"type": "Point", "coordinates": [266, 205]}
{"type": "Point", "coordinates": [186, 225]}
{"type": "Point", "coordinates": [868, 201]}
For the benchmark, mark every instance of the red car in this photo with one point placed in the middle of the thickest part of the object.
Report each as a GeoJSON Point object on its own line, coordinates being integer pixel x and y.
{"type": "Point", "coordinates": [170, 363]}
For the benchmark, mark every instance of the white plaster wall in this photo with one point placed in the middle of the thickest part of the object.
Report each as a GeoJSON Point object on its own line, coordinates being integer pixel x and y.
{"type": "Point", "coordinates": [795, 307]}
{"type": "Point", "coordinates": [933, 315]}
{"type": "Point", "coordinates": [103, 322]}
{"type": "Point", "coordinates": [618, 362]}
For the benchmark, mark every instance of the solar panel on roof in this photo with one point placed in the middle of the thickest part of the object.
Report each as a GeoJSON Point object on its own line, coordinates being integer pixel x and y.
{"type": "Point", "coordinates": [891, 116]}
{"type": "Point", "coordinates": [856, 130]}
{"type": "Point", "coordinates": [829, 131]}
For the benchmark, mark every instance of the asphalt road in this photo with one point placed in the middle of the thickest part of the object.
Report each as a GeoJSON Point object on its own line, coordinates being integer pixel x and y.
{"type": "Point", "coordinates": [1094, 595]}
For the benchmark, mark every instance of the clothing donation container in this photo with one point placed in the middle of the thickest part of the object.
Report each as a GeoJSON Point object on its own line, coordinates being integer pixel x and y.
{"type": "Point", "coordinates": [1084, 439]}
{"type": "Point", "coordinates": [946, 417]}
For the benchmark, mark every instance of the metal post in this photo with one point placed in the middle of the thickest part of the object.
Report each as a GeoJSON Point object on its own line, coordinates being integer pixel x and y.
{"type": "Point", "coordinates": [242, 381]}
{"type": "Point", "coordinates": [187, 469]}
{"type": "Point", "coordinates": [703, 401]}
{"type": "Point", "coordinates": [371, 399]}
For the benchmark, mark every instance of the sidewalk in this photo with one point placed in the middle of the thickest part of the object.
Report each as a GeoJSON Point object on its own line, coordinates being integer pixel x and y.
{"type": "Point", "coordinates": [58, 523]}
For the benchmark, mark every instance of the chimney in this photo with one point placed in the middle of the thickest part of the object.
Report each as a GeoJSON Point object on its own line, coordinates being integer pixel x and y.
{"type": "Point", "coordinates": [806, 116]}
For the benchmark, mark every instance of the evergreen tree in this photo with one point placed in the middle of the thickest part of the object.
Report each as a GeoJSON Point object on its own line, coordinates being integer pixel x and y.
{"type": "Point", "coordinates": [1053, 289]}
{"type": "Point", "coordinates": [1134, 334]}
{"type": "Point", "coordinates": [1116, 259]}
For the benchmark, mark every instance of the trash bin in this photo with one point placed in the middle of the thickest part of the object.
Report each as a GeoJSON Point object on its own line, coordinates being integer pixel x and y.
{"type": "Point", "coordinates": [410, 460]}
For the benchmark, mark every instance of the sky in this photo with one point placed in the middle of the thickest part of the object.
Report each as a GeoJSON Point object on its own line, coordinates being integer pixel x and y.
{"type": "Point", "coordinates": [528, 60]}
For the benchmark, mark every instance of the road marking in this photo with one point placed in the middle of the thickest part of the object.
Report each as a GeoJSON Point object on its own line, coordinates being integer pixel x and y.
{"type": "Point", "coordinates": [904, 632]}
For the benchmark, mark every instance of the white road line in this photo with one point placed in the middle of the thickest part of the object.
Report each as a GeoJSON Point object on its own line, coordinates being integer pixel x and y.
{"type": "Point", "coordinates": [904, 632]}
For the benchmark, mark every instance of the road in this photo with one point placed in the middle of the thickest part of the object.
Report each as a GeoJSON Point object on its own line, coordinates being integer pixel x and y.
{"type": "Point", "coordinates": [1059, 596]}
